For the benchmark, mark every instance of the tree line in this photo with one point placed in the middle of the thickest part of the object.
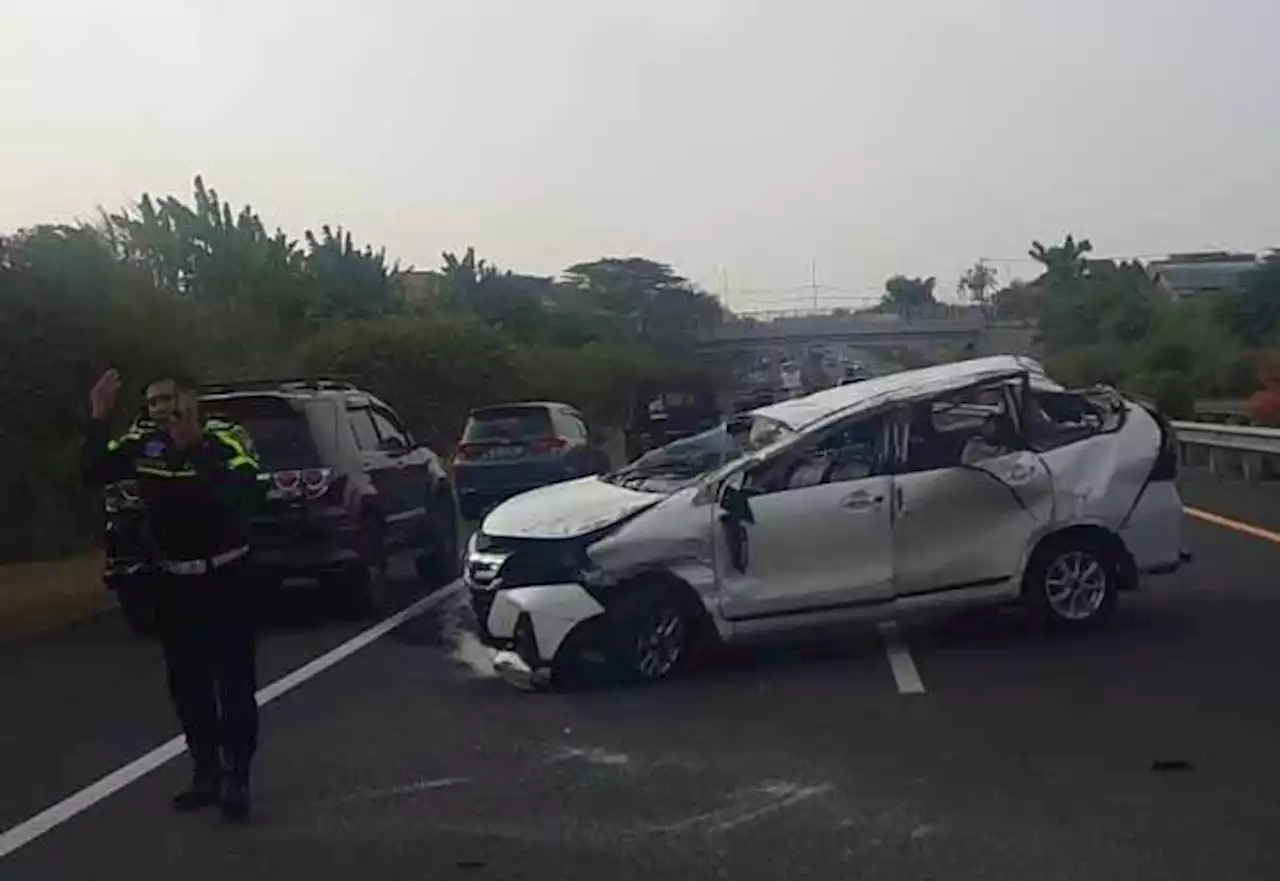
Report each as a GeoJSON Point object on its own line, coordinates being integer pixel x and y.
{"type": "Point", "coordinates": [200, 286]}
{"type": "Point", "coordinates": [1108, 321]}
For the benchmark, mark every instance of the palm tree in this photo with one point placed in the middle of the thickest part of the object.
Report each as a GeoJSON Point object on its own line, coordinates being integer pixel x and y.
{"type": "Point", "coordinates": [1065, 261]}
{"type": "Point", "coordinates": [979, 283]}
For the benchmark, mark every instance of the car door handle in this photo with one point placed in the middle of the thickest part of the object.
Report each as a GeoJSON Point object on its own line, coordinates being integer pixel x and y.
{"type": "Point", "coordinates": [861, 501]}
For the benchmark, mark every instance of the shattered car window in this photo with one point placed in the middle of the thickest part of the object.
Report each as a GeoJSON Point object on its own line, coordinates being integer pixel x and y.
{"type": "Point", "coordinates": [959, 429]}
{"type": "Point", "coordinates": [669, 467]}
{"type": "Point", "coordinates": [1055, 419]}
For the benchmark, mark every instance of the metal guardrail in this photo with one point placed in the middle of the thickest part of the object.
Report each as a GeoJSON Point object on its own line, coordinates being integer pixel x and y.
{"type": "Point", "coordinates": [1249, 450]}
{"type": "Point", "coordinates": [1242, 438]}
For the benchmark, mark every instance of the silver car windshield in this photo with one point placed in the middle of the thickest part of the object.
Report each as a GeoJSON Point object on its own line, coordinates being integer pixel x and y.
{"type": "Point", "coordinates": [670, 467]}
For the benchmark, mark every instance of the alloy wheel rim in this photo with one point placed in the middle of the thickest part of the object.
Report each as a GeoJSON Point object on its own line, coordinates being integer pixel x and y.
{"type": "Point", "coordinates": [1076, 585]}
{"type": "Point", "coordinates": [660, 643]}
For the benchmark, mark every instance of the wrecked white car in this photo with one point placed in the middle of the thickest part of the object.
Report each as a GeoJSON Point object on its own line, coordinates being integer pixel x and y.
{"type": "Point", "coordinates": [976, 482]}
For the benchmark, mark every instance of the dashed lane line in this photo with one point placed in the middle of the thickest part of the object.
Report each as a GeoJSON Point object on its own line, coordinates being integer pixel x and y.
{"type": "Point", "coordinates": [904, 669]}
{"type": "Point", "coordinates": [55, 815]}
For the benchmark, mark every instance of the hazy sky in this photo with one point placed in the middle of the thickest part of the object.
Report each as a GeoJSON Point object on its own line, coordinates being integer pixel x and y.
{"type": "Point", "coordinates": [723, 136]}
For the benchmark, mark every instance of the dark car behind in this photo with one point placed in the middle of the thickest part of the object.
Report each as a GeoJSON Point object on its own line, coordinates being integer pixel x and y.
{"type": "Point", "coordinates": [346, 486]}
{"type": "Point", "coordinates": [512, 448]}
{"type": "Point", "coordinates": [661, 416]}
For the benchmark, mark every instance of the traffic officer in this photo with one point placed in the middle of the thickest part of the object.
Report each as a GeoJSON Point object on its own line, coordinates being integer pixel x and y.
{"type": "Point", "coordinates": [199, 485]}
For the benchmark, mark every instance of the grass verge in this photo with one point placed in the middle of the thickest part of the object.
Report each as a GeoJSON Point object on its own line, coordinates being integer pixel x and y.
{"type": "Point", "coordinates": [37, 597]}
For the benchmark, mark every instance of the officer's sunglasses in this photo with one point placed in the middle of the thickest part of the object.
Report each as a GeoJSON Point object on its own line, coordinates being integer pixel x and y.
{"type": "Point", "coordinates": [161, 400]}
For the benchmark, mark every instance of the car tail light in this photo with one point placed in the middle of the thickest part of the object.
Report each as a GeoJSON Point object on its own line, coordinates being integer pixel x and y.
{"type": "Point", "coordinates": [467, 451]}
{"type": "Point", "coordinates": [548, 445]}
{"type": "Point", "coordinates": [312, 483]}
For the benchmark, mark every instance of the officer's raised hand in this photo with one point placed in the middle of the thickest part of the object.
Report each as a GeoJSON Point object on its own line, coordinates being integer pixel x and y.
{"type": "Point", "coordinates": [104, 394]}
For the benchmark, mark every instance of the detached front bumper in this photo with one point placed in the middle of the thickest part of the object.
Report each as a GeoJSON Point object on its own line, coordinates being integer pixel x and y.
{"type": "Point", "coordinates": [526, 627]}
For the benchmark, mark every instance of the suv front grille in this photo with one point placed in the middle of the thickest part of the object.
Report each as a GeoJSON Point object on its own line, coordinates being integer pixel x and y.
{"type": "Point", "coordinates": [521, 562]}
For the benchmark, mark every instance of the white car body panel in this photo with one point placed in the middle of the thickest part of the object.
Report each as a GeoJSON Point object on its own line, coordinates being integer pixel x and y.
{"type": "Point", "coordinates": [555, 609]}
{"type": "Point", "coordinates": [969, 526]}
{"type": "Point", "coordinates": [900, 387]}
{"type": "Point", "coordinates": [948, 536]}
{"type": "Point", "coordinates": [567, 509]}
{"type": "Point", "coordinates": [1097, 480]}
{"type": "Point", "coordinates": [1153, 532]}
{"type": "Point", "coordinates": [815, 548]}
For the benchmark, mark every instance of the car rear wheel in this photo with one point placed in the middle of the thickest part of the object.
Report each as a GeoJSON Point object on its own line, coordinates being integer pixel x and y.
{"type": "Point", "coordinates": [366, 581]}
{"type": "Point", "coordinates": [1072, 582]}
{"type": "Point", "coordinates": [654, 636]}
{"type": "Point", "coordinates": [439, 565]}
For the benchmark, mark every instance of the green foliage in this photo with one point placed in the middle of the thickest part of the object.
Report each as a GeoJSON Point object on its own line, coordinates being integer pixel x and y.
{"type": "Point", "coordinates": [637, 296]}
{"type": "Point", "coordinates": [1107, 322]}
{"type": "Point", "coordinates": [200, 286]}
{"type": "Point", "coordinates": [908, 296]}
{"type": "Point", "coordinates": [979, 283]}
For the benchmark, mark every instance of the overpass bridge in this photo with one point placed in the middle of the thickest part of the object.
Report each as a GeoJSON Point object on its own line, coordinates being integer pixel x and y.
{"type": "Point", "coordinates": [862, 331]}
{"type": "Point", "coordinates": [752, 352]}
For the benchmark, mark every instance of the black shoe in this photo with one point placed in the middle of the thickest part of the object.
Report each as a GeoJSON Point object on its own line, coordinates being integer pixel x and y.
{"type": "Point", "coordinates": [202, 793]}
{"type": "Point", "coordinates": [234, 802]}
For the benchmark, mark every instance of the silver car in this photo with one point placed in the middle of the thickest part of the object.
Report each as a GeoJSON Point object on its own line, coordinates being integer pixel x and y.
{"type": "Point", "coordinates": [979, 482]}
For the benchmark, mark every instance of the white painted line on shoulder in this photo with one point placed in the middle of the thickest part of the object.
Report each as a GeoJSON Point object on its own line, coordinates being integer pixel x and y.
{"type": "Point", "coordinates": [904, 669]}
{"type": "Point", "coordinates": [55, 815]}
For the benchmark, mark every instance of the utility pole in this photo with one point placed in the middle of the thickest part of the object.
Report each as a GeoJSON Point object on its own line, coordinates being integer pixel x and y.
{"type": "Point", "coordinates": [724, 286]}
{"type": "Point", "coordinates": [813, 282]}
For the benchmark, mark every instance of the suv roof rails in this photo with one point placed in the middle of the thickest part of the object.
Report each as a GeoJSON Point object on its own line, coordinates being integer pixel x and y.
{"type": "Point", "coordinates": [340, 383]}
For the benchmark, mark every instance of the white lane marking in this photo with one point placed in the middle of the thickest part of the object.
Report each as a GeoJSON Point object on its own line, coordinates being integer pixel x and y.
{"type": "Point", "coordinates": [904, 669]}
{"type": "Point", "coordinates": [55, 815]}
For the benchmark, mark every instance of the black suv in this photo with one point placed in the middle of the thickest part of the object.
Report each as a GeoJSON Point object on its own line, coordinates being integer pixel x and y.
{"type": "Point", "coordinates": [347, 486]}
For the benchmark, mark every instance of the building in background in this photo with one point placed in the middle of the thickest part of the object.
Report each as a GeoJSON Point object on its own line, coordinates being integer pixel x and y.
{"type": "Point", "coordinates": [1202, 274]}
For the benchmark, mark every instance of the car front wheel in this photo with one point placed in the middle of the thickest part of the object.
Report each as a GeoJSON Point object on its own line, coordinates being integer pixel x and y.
{"type": "Point", "coordinates": [654, 637]}
{"type": "Point", "coordinates": [1072, 583]}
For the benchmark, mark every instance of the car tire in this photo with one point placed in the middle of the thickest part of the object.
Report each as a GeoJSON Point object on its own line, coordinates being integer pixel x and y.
{"type": "Point", "coordinates": [654, 635]}
{"type": "Point", "coordinates": [137, 605]}
{"type": "Point", "coordinates": [1072, 582]}
{"type": "Point", "coordinates": [440, 564]}
{"type": "Point", "coordinates": [366, 582]}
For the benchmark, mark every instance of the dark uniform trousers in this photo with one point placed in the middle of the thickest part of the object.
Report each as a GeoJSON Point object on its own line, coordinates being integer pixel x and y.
{"type": "Point", "coordinates": [207, 626]}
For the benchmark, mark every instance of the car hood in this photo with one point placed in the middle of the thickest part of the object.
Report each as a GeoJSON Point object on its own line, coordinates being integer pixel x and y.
{"type": "Point", "coordinates": [566, 510]}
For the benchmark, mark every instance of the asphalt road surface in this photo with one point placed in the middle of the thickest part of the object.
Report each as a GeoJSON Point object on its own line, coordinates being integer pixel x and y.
{"type": "Point", "coordinates": [973, 749]}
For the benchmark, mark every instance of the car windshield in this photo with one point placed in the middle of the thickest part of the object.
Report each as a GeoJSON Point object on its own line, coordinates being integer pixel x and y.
{"type": "Point", "coordinates": [680, 462]}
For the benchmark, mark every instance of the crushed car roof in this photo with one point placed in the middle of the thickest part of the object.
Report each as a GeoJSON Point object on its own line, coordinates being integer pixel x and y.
{"type": "Point", "coordinates": [907, 384]}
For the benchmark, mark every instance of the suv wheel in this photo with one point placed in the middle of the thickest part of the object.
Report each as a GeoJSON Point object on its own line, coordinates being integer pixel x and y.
{"type": "Point", "coordinates": [1072, 582]}
{"type": "Point", "coordinates": [439, 564]}
{"type": "Point", "coordinates": [367, 579]}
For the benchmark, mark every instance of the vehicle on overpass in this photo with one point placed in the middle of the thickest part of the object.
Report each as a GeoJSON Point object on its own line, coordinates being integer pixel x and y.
{"type": "Point", "coordinates": [979, 482]}
{"type": "Point", "coordinates": [347, 486]}
{"type": "Point", "coordinates": [508, 449]}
